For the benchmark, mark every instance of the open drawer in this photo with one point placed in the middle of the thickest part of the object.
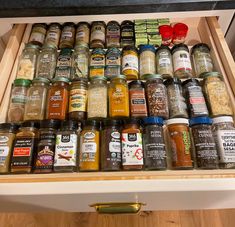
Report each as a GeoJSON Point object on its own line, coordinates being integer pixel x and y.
{"type": "Point", "coordinates": [159, 190]}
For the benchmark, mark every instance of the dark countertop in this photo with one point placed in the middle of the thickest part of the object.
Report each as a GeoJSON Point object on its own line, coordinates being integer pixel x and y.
{"type": "Point", "coordinates": [35, 8]}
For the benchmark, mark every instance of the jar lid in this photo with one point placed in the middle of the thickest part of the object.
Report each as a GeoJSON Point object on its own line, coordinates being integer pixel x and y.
{"type": "Point", "coordinates": [22, 82]}
{"type": "Point", "coordinates": [98, 78]}
{"type": "Point", "coordinates": [68, 24]}
{"type": "Point", "coordinates": [91, 122]}
{"type": "Point", "coordinates": [30, 45]}
{"type": "Point", "coordinates": [114, 50]}
{"type": "Point", "coordinates": [60, 79]}
{"type": "Point", "coordinates": [162, 47]}
{"type": "Point", "coordinates": [192, 80]}
{"type": "Point", "coordinates": [80, 79]}
{"type": "Point", "coordinates": [55, 24]}
{"type": "Point", "coordinates": [32, 124]}
{"type": "Point", "coordinates": [152, 76]}
{"type": "Point", "coordinates": [224, 119]}
{"type": "Point", "coordinates": [173, 80]}
{"type": "Point", "coordinates": [66, 51]}
{"type": "Point", "coordinates": [127, 22]}
{"type": "Point", "coordinates": [112, 122]}
{"type": "Point", "coordinates": [136, 82]}
{"type": "Point", "coordinates": [132, 121]}
{"type": "Point", "coordinates": [118, 77]}
{"type": "Point", "coordinates": [200, 45]}
{"type": "Point", "coordinates": [166, 31]}
{"type": "Point", "coordinates": [98, 51]}
{"type": "Point", "coordinates": [9, 126]}
{"type": "Point", "coordinates": [112, 22]}
{"type": "Point", "coordinates": [200, 120]}
{"type": "Point", "coordinates": [180, 29]}
{"type": "Point", "coordinates": [52, 123]}
{"type": "Point", "coordinates": [153, 120]}
{"type": "Point", "coordinates": [41, 79]}
{"type": "Point", "coordinates": [181, 46]}
{"type": "Point", "coordinates": [126, 48]}
{"type": "Point", "coordinates": [177, 121]}
{"type": "Point", "coordinates": [83, 23]}
{"type": "Point", "coordinates": [146, 47]}
{"type": "Point", "coordinates": [98, 22]}
{"type": "Point", "coordinates": [40, 24]}
{"type": "Point", "coordinates": [69, 124]}
{"type": "Point", "coordinates": [211, 74]}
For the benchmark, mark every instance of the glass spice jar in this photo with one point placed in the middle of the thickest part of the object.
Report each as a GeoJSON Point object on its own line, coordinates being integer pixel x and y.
{"type": "Point", "coordinates": [38, 34]}
{"type": "Point", "coordinates": [35, 107]}
{"type": "Point", "coordinates": [97, 39]}
{"type": "Point", "coordinates": [53, 35]}
{"type": "Point", "coordinates": [127, 33]}
{"type": "Point", "coordinates": [118, 97]}
{"type": "Point", "coordinates": [97, 98]}
{"type": "Point", "coordinates": [154, 145]}
{"type": "Point", "coordinates": [138, 105]}
{"type": "Point", "coordinates": [156, 94]}
{"type": "Point", "coordinates": [67, 35]}
{"type": "Point", "coordinates": [166, 32]}
{"type": "Point", "coordinates": [111, 154]}
{"type": "Point", "coordinates": [82, 34]}
{"type": "Point", "coordinates": [147, 60]}
{"type": "Point", "coordinates": [224, 134]}
{"type": "Point", "coordinates": [78, 99]}
{"type": "Point", "coordinates": [180, 31]}
{"type": "Point", "coordinates": [18, 100]}
{"type": "Point", "coordinates": [176, 101]}
{"type": "Point", "coordinates": [180, 143]}
{"type": "Point", "coordinates": [113, 33]}
{"type": "Point", "coordinates": [216, 94]}
{"type": "Point", "coordinates": [181, 61]}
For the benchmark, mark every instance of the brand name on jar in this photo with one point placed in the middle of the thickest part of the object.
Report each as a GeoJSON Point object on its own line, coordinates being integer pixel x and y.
{"type": "Point", "coordinates": [115, 135]}
{"type": "Point", "coordinates": [89, 135]}
{"type": "Point", "coordinates": [132, 137]}
{"type": "Point", "coordinates": [3, 139]}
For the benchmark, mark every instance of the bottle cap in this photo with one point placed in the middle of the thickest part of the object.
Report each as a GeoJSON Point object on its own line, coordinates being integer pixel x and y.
{"type": "Point", "coordinates": [177, 121]}
{"type": "Point", "coordinates": [200, 120]}
{"type": "Point", "coordinates": [153, 120]}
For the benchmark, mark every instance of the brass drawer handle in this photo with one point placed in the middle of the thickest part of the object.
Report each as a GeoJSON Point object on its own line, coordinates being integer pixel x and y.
{"type": "Point", "coordinates": [117, 208]}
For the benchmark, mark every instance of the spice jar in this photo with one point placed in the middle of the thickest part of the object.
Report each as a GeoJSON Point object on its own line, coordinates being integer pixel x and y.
{"type": "Point", "coordinates": [180, 31]}
{"type": "Point", "coordinates": [46, 62]}
{"type": "Point", "coordinates": [97, 98]}
{"type": "Point", "coordinates": [112, 62]}
{"type": "Point", "coordinates": [57, 101]}
{"type": "Point", "coordinates": [127, 33]}
{"type": "Point", "coordinates": [180, 142]}
{"type": "Point", "coordinates": [164, 63]}
{"type": "Point", "coordinates": [78, 99]}
{"type": "Point", "coordinates": [44, 158]}
{"type": "Point", "coordinates": [27, 62]}
{"type": "Point", "coordinates": [132, 148]}
{"type": "Point", "coordinates": [111, 154]}
{"type": "Point", "coordinates": [38, 34]}
{"type": "Point", "coordinates": [202, 59]}
{"type": "Point", "coordinates": [224, 134]}
{"type": "Point", "coordinates": [166, 32]}
{"type": "Point", "coordinates": [35, 107]}
{"type": "Point", "coordinates": [82, 34]}
{"type": "Point", "coordinates": [130, 63]}
{"type": "Point", "coordinates": [53, 35]}
{"type": "Point", "coordinates": [156, 96]}
{"type": "Point", "coordinates": [67, 35]}
{"type": "Point", "coordinates": [18, 100]}
{"type": "Point", "coordinates": [25, 147]}
{"type": "Point", "coordinates": [80, 61]}
{"type": "Point", "coordinates": [147, 60]}
{"type": "Point", "coordinates": [195, 99]}
{"type": "Point", "coordinates": [154, 145]}
{"type": "Point", "coordinates": [97, 63]}
{"type": "Point", "coordinates": [113, 33]}
{"type": "Point", "coordinates": [118, 97]}
{"type": "Point", "coordinates": [176, 101]}
{"type": "Point", "coordinates": [97, 39]}
{"type": "Point", "coordinates": [89, 157]}
{"type": "Point", "coordinates": [7, 136]}
{"type": "Point", "coordinates": [217, 95]}
{"type": "Point", "coordinates": [138, 105]}
{"type": "Point", "coordinates": [181, 61]}
{"type": "Point", "coordinates": [66, 147]}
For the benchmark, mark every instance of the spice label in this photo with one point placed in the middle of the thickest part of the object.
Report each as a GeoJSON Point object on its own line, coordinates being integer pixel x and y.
{"type": "Point", "coordinates": [138, 103]}
{"type": "Point", "coordinates": [97, 65]}
{"type": "Point", "coordinates": [37, 36]}
{"type": "Point", "coordinates": [115, 147]}
{"type": "Point", "coordinates": [164, 59]}
{"type": "Point", "coordinates": [45, 157]}
{"type": "Point", "coordinates": [77, 100]}
{"type": "Point", "coordinates": [66, 150]}
{"type": "Point", "coordinates": [98, 33]}
{"type": "Point", "coordinates": [132, 151]}
{"type": "Point", "coordinates": [18, 98]}
{"type": "Point", "coordinates": [53, 36]}
{"type": "Point", "coordinates": [66, 35]}
{"type": "Point", "coordinates": [181, 60]}
{"type": "Point", "coordinates": [4, 151]}
{"type": "Point", "coordinates": [113, 31]}
{"type": "Point", "coordinates": [113, 59]}
{"type": "Point", "coordinates": [131, 62]}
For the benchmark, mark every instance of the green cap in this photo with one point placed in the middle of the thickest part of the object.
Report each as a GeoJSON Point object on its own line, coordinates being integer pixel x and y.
{"type": "Point", "coordinates": [98, 78]}
{"type": "Point", "coordinates": [60, 79]}
{"type": "Point", "coordinates": [211, 74]}
{"type": "Point", "coordinates": [22, 82]}
{"type": "Point", "coordinates": [41, 79]}
{"type": "Point", "coordinates": [118, 77]}
{"type": "Point", "coordinates": [30, 45]}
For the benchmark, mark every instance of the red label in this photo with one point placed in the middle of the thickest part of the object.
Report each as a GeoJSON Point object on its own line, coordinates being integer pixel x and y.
{"type": "Point", "coordinates": [22, 151]}
{"type": "Point", "coordinates": [197, 100]}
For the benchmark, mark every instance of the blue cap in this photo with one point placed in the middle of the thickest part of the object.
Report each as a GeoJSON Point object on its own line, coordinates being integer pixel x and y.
{"type": "Point", "coordinates": [153, 120]}
{"type": "Point", "coordinates": [147, 47]}
{"type": "Point", "coordinates": [200, 120]}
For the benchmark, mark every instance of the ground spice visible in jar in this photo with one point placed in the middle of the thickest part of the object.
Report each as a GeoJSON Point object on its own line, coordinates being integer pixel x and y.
{"type": "Point", "coordinates": [166, 32]}
{"type": "Point", "coordinates": [180, 31]}
{"type": "Point", "coordinates": [82, 34]}
{"type": "Point", "coordinates": [176, 101]}
{"type": "Point", "coordinates": [180, 142]}
{"type": "Point", "coordinates": [97, 63]}
{"type": "Point", "coordinates": [132, 148]}
{"type": "Point", "coordinates": [204, 143]}
{"type": "Point", "coordinates": [156, 96]}
{"type": "Point", "coordinates": [89, 158]}
{"type": "Point", "coordinates": [127, 33]}
{"type": "Point", "coordinates": [53, 35]}
{"type": "Point", "coordinates": [38, 34]}
{"type": "Point", "coordinates": [67, 35]}
{"type": "Point", "coordinates": [138, 105]}
{"type": "Point", "coordinates": [97, 39]}
{"type": "Point", "coordinates": [217, 95]}
{"type": "Point", "coordinates": [111, 154]}
{"type": "Point", "coordinates": [154, 145]}
{"type": "Point", "coordinates": [113, 34]}
{"type": "Point", "coordinates": [66, 147]}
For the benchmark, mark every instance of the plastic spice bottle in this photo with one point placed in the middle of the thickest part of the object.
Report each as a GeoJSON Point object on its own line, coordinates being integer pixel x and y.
{"type": "Point", "coordinates": [38, 34]}
{"type": "Point", "coordinates": [154, 145]}
{"type": "Point", "coordinates": [97, 39]}
{"type": "Point", "coordinates": [53, 35]}
{"type": "Point", "coordinates": [180, 32]}
{"type": "Point", "coordinates": [44, 158]}
{"type": "Point", "coordinates": [166, 32]}
{"type": "Point", "coordinates": [113, 34]}
{"type": "Point", "coordinates": [7, 136]}
{"type": "Point", "coordinates": [89, 158]}
{"type": "Point", "coordinates": [82, 34]}
{"type": "Point", "coordinates": [132, 148]}
{"type": "Point", "coordinates": [224, 134]}
{"type": "Point", "coordinates": [118, 97]}
{"type": "Point", "coordinates": [204, 143]}
{"type": "Point", "coordinates": [66, 148]}
{"type": "Point", "coordinates": [67, 35]}
{"type": "Point", "coordinates": [111, 155]}
{"type": "Point", "coordinates": [180, 143]}
{"type": "Point", "coordinates": [25, 147]}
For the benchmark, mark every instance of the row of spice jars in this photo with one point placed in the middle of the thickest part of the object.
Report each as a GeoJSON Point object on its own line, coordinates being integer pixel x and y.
{"type": "Point", "coordinates": [112, 146]}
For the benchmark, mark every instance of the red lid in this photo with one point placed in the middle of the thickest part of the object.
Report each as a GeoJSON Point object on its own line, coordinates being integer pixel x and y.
{"type": "Point", "coordinates": [166, 31]}
{"type": "Point", "coordinates": [180, 29]}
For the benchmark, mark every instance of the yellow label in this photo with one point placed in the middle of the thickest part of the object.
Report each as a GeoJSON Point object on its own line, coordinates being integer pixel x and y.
{"type": "Point", "coordinates": [77, 100]}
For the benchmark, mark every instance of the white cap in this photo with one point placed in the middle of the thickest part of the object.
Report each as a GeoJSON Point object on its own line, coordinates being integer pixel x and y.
{"type": "Point", "coordinates": [217, 120]}
{"type": "Point", "coordinates": [177, 121]}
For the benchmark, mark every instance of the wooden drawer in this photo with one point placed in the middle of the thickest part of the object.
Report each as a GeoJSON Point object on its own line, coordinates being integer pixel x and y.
{"type": "Point", "coordinates": [159, 190]}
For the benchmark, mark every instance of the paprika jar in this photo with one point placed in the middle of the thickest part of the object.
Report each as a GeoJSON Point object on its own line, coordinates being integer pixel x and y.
{"type": "Point", "coordinates": [180, 31]}
{"type": "Point", "coordinates": [180, 143]}
{"type": "Point", "coordinates": [166, 32]}
{"type": "Point", "coordinates": [82, 34]}
{"type": "Point", "coordinates": [57, 101]}
{"type": "Point", "coordinates": [53, 35]}
{"type": "Point", "coordinates": [97, 39]}
{"type": "Point", "coordinates": [113, 33]}
{"type": "Point", "coordinates": [38, 34]}
{"type": "Point", "coordinates": [67, 35]}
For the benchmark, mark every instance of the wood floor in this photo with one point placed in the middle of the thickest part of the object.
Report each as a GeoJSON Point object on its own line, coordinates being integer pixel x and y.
{"type": "Point", "coordinates": [209, 218]}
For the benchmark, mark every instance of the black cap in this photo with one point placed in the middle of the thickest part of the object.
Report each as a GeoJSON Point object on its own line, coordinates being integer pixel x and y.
{"type": "Point", "coordinates": [112, 122]}
{"type": "Point", "coordinates": [173, 80]}
{"type": "Point", "coordinates": [9, 126]}
{"type": "Point", "coordinates": [199, 45]}
{"type": "Point", "coordinates": [132, 121]}
{"type": "Point", "coordinates": [52, 123]}
{"type": "Point", "coordinates": [69, 124]}
{"type": "Point", "coordinates": [92, 123]}
{"type": "Point", "coordinates": [162, 47]}
{"type": "Point", "coordinates": [190, 80]}
{"type": "Point", "coordinates": [136, 82]}
{"type": "Point", "coordinates": [35, 124]}
{"type": "Point", "coordinates": [181, 45]}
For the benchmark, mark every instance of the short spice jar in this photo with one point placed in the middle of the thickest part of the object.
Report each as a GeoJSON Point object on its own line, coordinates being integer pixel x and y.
{"type": "Point", "coordinates": [204, 143]}
{"type": "Point", "coordinates": [97, 38]}
{"type": "Point", "coordinates": [82, 34]}
{"type": "Point", "coordinates": [38, 34]}
{"type": "Point", "coordinates": [53, 34]}
{"type": "Point", "coordinates": [127, 33]}
{"type": "Point", "coordinates": [166, 32]}
{"type": "Point", "coordinates": [111, 153]}
{"type": "Point", "coordinates": [154, 144]}
{"type": "Point", "coordinates": [180, 31]}
{"type": "Point", "coordinates": [224, 134]}
{"type": "Point", "coordinates": [67, 35]}
{"type": "Point", "coordinates": [132, 148]}
{"type": "Point", "coordinates": [113, 32]}
{"type": "Point", "coordinates": [180, 143]}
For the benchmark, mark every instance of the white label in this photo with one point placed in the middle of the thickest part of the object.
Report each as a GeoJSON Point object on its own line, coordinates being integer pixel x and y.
{"type": "Point", "coordinates": [98, 34]}
{"type": "Point", "coordinates": [38, 37]}
{"type": "Point", "coordinates": [164, 62]}
{"type": "Point", "coordinates": [66, 35]}
{"type": "Point", "coordinates": [130, 61]}
{"type": "Point", "coordinates": [52, 35]}
{"type": "Point", "coordinates": [4, 151]}
{"type": "Point", "coordinates": [181, 60]}
{"type": "Point", "coordinates": [89, 147]}
{"type": "Point", "coordinates": [114, 147]}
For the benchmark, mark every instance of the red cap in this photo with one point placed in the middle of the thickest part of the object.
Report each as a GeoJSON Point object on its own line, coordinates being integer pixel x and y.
{"type": "Point", "coordinates": [166, 31]}
{"type": "Point", "coordinates": [180, 29]}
